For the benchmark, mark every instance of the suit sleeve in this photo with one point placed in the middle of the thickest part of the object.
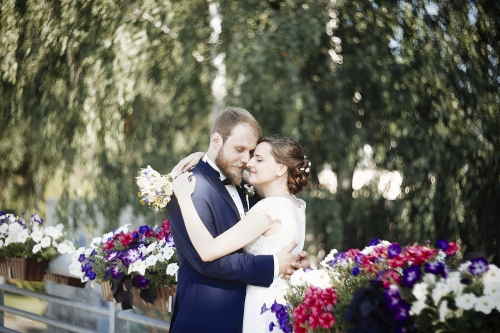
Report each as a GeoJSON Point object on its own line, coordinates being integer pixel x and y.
{"type": "Point", "coordinates": [244, 267]}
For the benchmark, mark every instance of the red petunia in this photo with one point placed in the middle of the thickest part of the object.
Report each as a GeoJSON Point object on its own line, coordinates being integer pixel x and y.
{"type": "Point", "coordinates": [126, 239]}
{"type": "Point", "coordinates": [108, 245]}
{"type": "Point", "coordinates": [452, 249]}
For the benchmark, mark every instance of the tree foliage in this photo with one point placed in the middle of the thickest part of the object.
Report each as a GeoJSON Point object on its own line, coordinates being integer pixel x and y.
{"type": "Point", "coordinates": [95, 90]}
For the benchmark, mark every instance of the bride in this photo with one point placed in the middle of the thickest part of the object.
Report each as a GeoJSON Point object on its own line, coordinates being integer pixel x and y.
{"type": "Point", "coordinates": [278, 170]}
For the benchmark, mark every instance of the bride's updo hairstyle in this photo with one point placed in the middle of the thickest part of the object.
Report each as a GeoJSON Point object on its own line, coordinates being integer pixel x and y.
{"type": "Point", "coordinates": [290, 153]}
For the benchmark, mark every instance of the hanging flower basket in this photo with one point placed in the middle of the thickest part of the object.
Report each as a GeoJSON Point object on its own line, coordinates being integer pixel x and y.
{"type": "Point", "coordinates": [164, 297]}
{"type": "Point", "coordinates": [4, 269]}
{"type": "Point", "coordinates": [66, 280]}
{"type": "Point", "coordinates": [25, 269]}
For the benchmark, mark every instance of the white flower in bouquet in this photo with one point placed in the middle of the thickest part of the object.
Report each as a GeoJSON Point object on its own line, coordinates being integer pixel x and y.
{"type": "Point", "coordinates": [420, 290]}
{"type": "Point", "coordinates": [4, 227]}
{"type": "Point", "coordinates": [444, 311]}
{"type": "Point", "coordinates": [54, 231]}
{"type": "Point", "coordinates": [318, 278]}
{"type": "Point", "coordinates": [172, 269]}
{"type": "Point", "coordinates": [75, 268]}
{"type": "Point", "coordinates": [418, 306]}
{"type": "Point", "coordinates": [326, 262]}
{"type": "Point", "coordinates": [155, 189]}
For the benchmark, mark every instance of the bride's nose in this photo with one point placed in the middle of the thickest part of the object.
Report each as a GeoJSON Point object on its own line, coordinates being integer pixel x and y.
{"type": "Point", "coordinates": [251, 162]}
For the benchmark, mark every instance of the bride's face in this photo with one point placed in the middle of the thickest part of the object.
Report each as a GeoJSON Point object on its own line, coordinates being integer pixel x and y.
{"type": "Point", "coordinates": [262, 167]}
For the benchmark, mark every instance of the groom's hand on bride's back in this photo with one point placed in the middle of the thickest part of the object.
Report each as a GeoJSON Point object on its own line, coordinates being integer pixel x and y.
{"type": "Point", "coordinates": [285, 258]}
{"type": "Point", "coordinates": [302, 262]}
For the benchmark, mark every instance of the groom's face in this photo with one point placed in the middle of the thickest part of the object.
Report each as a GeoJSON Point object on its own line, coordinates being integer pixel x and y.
{"type": "Point", "coordinates": [236, 151]}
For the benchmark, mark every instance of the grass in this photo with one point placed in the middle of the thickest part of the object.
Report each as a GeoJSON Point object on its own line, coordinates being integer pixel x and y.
{"type": "Point", "coordinates": [25, 303]}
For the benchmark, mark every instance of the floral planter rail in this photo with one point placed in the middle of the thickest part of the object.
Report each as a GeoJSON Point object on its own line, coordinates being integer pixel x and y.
{"type": "Point", "coordinates": [23, 269]}
{"type": "Point", "coordinates": [164, 297]}
{"type": "Point", "coordinates": [66, 280]}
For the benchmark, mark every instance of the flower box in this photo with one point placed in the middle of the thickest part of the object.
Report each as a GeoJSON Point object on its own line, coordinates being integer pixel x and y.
{"type": "Point", "coordinates": [66, 280]}
{"type": "Point", "coordinates": [25, 269]}
{"type": "Point", "coordinates": [164, 297]}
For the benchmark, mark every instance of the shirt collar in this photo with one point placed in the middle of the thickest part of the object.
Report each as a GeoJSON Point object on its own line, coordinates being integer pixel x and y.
{"type": "Point", "coordinates": [206, 159]}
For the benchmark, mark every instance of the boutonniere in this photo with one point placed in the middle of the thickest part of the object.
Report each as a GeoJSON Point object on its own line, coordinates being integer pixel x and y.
{"type": "Point", "coordinates": [249, 190]}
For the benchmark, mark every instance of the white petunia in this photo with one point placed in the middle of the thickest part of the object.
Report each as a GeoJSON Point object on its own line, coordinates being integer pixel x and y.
{"type": "Point", "coordinates": [63, 248]}
{"type": "Point", "coordinates": [329, 257]}
{"type": "Point", "coordinates": [444, 312]}
{"type": "Point", "coordinates": [318, 278]}
{"type": "Point", "coordinates": [96, 241]}
{"type": "Point", "coordinates": [122, 228]}
{"type": "Point", "coordinates": [440, 290]}
{"type": "Point", "coordinates": [151, 261]}
{"type": "Point", "coordinates": [172, 269]}
{"type": "Point", "coordinates": [492, 289]}
{"type": "Point", "coordinates": [138, 266]}
{"type": "Point", "coordinates": [430, 279]}
{"type": "Point", "coordinates": [466, 301]}
{"type": "Point", "coordinates": [418, 306]}
{"type": "Point", "coordinates": [441, 256]}
{"type": "Point", "coordinates": [45, 242]}
{"type": "Point", "coordinates": [22, 236]}
{"type": "Point", "coordinates": [151, 247]}
{"type": "Point", "coordinates": [88, 251]}
{"type": "Point", "coordinates": [37, 235]}
{"type": "Point", "coordinates": [455, 283]}
{"type": "Point", "coordinates": [1, 243]}
{"type": "Point", "coordinates": [53, 232]}
{"type": "Point", "coordinates": [168, 252]}
{"type": "Point", "coordinates": [107, 236]}
{"type": "Point", "coordinates": [464, 267]}
{"type": "Point", "coordinates": [485, 304]}
{"type": "Point", "coordinates": [298, 278]}
{"type": "Point", "coordinates": [37, 248]}
{"type": "Point", "coordinates": [492, 275]}
{"type": "Point", "coordinates": [420, 290]}
{"type": "Point", "coordinates": [9, 240]}
{"type": "Point", "coordinates": [4, 228]}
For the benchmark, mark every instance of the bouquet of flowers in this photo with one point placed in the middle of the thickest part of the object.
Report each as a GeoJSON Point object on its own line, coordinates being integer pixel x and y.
{"type": "Point", "coordinates": [30, 239]}
{"type": "Point", "coordinates": [145, 258]}
{"type": "Point", "coordinates": [155, 189]}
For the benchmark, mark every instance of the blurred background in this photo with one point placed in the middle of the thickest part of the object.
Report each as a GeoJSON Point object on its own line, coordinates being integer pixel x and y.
{"type": "Point", "coordinates": [397, 104]}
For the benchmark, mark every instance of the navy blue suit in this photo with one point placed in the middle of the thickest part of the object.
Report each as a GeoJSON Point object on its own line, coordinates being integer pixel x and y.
{"type": "Point", "coordinates": [211, 295]}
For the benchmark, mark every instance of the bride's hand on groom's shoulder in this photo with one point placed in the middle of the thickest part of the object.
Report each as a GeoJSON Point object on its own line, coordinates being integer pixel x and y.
{"type": "Point", "coordinates": [187, 163]}
{"type": "Point", "coordinates": [184, 185]}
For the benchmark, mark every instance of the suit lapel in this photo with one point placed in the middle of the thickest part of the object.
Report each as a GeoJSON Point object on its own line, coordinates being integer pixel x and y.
{"type": "Point", "coordinates": [216, 182]}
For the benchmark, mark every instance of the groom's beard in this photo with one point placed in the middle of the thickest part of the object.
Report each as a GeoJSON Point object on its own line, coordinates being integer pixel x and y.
{"type": "Point", "coordinates": [225, 167]}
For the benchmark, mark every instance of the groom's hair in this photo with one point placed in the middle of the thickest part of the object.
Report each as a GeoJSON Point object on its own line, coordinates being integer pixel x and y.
{"type": "Point", "coordinates": [232, 116]}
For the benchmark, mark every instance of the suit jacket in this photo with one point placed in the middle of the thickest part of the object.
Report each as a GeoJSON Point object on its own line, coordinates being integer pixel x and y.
{"type": "Point", "coordinates": [211, 295]}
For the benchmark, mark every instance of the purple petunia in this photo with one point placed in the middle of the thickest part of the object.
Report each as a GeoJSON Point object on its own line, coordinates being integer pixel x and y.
{"type": "Point", "coordinates": [112, 256]}
{"type": "Point", "coordinates": [271, 326]}
{"type": "Point", "coordinates": [263, 308]}
{"type": "Point", "coordinates": [393, 250]}
{"type": "Point", "coordinates": [411, 275]}
{"type": "Point", "coordinates": [132, 256]}
{"type": "Point", "coordinates": [144, 229]}
{"type": "Point", "coordinates": [392, 297]}
{"type": "Point", "coordinates": [358, 258]}
{"type": "Point", "coordinates": [443, 244]}
{"type": "Point", "coordinates": [355, 271]}
{"type": "Point", "coordinates": [436, 268]}
{"type": "Point", "coordinates": [36, 218]}
{"type": "Point", "coordinates": [81, 258]}
{"type": "Point", "coordinates": [142, 281]}
{"type": "Point", "coordinates": [402, 313]}
{"type": "Point", "coordinates": [339, 257]}
{"type": "Point", "coordinates": [374, 242]}
{"type": "Point", "coordinates": [115, 271]}
{"type": "Point", "coordinates": [282, 315]}
{"type": "Point", "coordinates": [478, 266]}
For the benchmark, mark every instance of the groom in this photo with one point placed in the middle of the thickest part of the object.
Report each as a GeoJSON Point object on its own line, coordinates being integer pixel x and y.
{"type": "Point", "coordinates": [211, 295]}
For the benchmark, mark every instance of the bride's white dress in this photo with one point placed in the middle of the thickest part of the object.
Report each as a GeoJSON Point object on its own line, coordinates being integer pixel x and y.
{"type": "Point", "coordinates": [292, 218]}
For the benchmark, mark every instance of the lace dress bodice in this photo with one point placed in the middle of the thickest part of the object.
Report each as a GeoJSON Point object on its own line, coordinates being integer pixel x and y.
{"type": "Point", "coordinates": [293, 225]}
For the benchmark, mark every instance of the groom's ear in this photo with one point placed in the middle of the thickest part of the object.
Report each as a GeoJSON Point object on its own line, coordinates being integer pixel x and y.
{"type": "Point", "coordinates": [216, 140]}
